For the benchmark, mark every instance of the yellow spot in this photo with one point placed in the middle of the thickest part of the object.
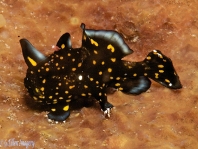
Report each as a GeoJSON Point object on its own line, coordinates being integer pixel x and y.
{"type": "Point", "coordinates": [32, 61]}
{"type": "Point", "coordinates": [56, 64]}
{"type": "Point", "coordinates": [135, 74]}
{"type": "Point", "coordinates": [73, 69]}
{"type": "Point", "coordinates": [94, 42]}
{"type": "Point", "coordinates": [160, 66]}
{"type": "Point", "coordinates": [35, 98]}
{"type": "Point", "coordinates": [85, 86]}
{"type": "Point", "coordinates": [60, 97]}
{"type": "Point", "coordinates": [111, 78]}
{"type": "Point", "coordinates": [156, 75]}
{"type": "Point", "coordinates": [62, 46]}
{"type": "Point", "coordinates": [69, 54]}
{"type": "Point", "coordinates": [118, 78]}
{"type": "Point", "coordinates": [145, 74]}
{"type": "Point", "coordinates": [42, 88]}
{"type": "Point", "coordinates": [54, 101]}
{"type": "Point", "coordinates": [120, 88]}
{"type": "Point", "coordinates": [31, 72]}
{"type": "Point", "coordinates": [95, 52]}
{"type": "Point", "coordinates": [164, 60]}
{"type": "Point", "coordinates": [83, 94]}
{"type": "Point", "coordinates": [89, 94]}
{"type": "Point", "coordinates": [160, 56]}
{"type": "Point", "coordinates": [39, 70]}
{"type": "Point", "coordinates": [155, 52]}
{"type": "Point", "coordinates": [100, 94]}
{"type": "Point", "coordinates": [110, 47]}
{"type": "Point", "coordinates": [44, 80]}
{"type": "Point", "coordinates": [53, 109]}
{"type": "Point", "coordinates": [61, 57]}
{"type": "Point", "coordinates": [69, 96]}
{"type": "Point", "coordinates": [79, 64]}
{"type": "Point", "coordinates": [58, 68]}
{"type": "Point", "coordinates": [73, 59]}
{"type": "Point", "coordinates": [50, 97]}
{"type": "Point", "coordinates": [113, 59]}
{"type": "Point", "coordinates": [91, 79]}
{"type": "Point", "coordinates": [161, 71]}
{"type": "Point", "coordinates": [168, 81]}
{"type": "Point", "coordinates": [103, 63]}
{"type": "Point", "coordinates": [84, 37]}
{"type": "Point", "coordinates": [46, 64]}
{"type": "Point", "coordinates": [59, 84]}
{"type": "Point", "coordinates": [94, 62]}
{"type": "Point", "coordinates": [109, 70]}
{"type": "Point", "coordinates": [66, 92]}
{"type": "Point", "coordinates": [66, 108]}
{"type": "Point", "coordinates": [148, 58]}
{"type": "Point", "coordinates": [117, 84]}
{"type": "Point", "coordinates": [37, 90]}
{"type": "Point", "coordinates": [47, 69]}
{"type": "Point", "coordinates": [56, 93]}
{"type": "Point", "coordinates": [100, 72]}
{"type": "Point", "coordinates": [97, 82]}
{"type": "Point", "coordinates": [70, 87]}
{"type": "Point", "coordinates": [68, 100]}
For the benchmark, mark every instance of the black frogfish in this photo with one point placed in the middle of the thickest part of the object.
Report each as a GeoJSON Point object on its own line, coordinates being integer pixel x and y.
{"type": "Point", "coordinates": [88, 71]}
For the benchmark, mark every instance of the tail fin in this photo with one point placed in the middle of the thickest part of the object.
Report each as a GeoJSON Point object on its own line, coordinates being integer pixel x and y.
{"type": "Point", "coordinates": [160, 68]}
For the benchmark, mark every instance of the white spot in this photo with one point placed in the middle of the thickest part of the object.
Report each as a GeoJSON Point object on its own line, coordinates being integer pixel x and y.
{"type": "Point", "coordinates": [170, 84]}
{"type": "Point", "coordinates": [80, 77]}
{"type": "Point", "coordinates": [154, 50]}
{"type": "Point", "coordinates": [159, 55]}
{"type": "Point", "coordinates": [49, 120]}
{"type": "Point", "coordinates": [107, 112]}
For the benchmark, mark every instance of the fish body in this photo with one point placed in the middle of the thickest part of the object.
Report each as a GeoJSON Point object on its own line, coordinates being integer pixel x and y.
{"type": "Point", "coordinates": [88, 71]}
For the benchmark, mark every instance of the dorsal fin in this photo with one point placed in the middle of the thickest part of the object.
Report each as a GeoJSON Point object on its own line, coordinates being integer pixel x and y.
{"type": "Point", "coordinates": [106, 41]}
{"type": "Point", "coordinates": [31, 55]}
{"type": "Point", "coordinates": [64, 41]}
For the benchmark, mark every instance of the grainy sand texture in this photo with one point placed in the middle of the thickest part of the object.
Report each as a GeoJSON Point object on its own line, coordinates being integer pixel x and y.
{"type": "Point", "coordinates": [158, 119]}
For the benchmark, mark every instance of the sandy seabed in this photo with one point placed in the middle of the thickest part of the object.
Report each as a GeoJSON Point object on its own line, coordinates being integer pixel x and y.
{"type": "Point", "coordinates": [158, 119]}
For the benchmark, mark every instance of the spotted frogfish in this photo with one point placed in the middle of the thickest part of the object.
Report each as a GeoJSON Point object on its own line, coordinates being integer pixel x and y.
{"type": "Point", "coordinates": [86, 72]}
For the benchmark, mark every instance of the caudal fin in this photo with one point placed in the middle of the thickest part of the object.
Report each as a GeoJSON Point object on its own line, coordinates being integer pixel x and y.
{"type": "Point", "coordinates": [160, 68]}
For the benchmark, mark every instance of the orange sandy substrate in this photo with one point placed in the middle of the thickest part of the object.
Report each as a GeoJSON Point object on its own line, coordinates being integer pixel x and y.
{"type": "Point", "coordinates": [158, 119]}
